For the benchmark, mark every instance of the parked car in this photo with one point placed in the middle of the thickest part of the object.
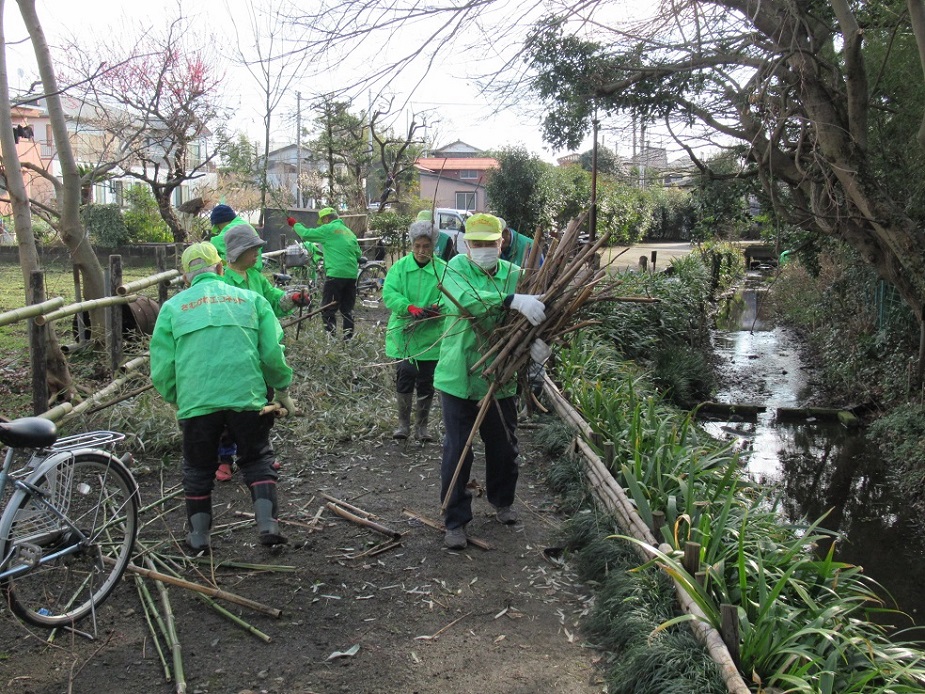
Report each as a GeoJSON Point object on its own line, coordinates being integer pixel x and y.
{"type": "Point", "coordinates": [453, 223]}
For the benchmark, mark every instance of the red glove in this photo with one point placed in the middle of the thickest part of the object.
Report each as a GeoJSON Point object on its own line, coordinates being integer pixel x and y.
{"type": "Point", "coordinates": [416, 311]}
{"type": "Point", "coordinates": [299, 297]}
{"type": "Point", "coordinates": [432, 311]}
{"type": "Point", "coordinates": [290, 221]}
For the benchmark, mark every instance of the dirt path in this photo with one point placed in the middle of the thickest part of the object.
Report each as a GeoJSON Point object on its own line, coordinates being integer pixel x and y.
{"type": "Point", "coordinates": [418, 617]}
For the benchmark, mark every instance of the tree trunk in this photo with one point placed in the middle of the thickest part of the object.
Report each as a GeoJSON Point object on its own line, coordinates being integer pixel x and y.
{"type": "Point", "coordinates": [162, 195]}
{"type": "Point", "coordinates": [72, 233]}
{"type": "Point", "coordinates": [58, 374]}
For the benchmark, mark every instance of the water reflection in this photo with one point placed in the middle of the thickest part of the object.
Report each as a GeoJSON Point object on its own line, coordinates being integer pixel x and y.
{"type": "Point", "coordinates": [818, 467]}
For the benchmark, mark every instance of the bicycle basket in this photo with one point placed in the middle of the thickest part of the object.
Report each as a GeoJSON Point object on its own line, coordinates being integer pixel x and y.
{"type": "Point", "coordinates": [296, 255]}
{"type": "Point", "coordinates": [33, 521]}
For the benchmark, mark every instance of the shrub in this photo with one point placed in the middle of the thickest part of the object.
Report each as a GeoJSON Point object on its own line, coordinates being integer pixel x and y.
{"type": "Point", "coordinates": [105, 225]}
{"type": "Point", "coordinates": [142, 219]}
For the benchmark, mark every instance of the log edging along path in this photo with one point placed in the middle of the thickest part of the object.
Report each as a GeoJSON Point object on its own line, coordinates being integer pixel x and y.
{"type": "Point", "coordinates": [612, 497]}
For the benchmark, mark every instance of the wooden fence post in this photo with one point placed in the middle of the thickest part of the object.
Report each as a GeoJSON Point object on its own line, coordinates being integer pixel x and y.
{"type": "Point", "coordinates": [114, 316]}
{"type": "Point", "coordinates": [37, 349]}
{"type": "Point", "coordinates": [691, 560]}
{"type": "Point", "coordinates": [163, 285]}
{"type": "Point", "coordinates": [729, 630]}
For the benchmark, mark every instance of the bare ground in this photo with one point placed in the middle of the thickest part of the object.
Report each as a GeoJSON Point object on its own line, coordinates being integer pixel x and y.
{"type": "Point", "coordinates": [417, 618]}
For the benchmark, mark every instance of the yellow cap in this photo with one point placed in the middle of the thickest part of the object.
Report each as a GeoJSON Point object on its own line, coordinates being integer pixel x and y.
{"type": "Point", "coordinates": [482, 227]}
{"type": "Point", "coordinates": [325, 211]}
{"type": "Point", "coordinates": [198, 256]}
{"type": "Point", "coordinates": [425, 216]}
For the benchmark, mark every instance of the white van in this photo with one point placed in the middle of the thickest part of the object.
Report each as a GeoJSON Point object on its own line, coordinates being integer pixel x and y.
{"type": "Point", "coordinates": [453, 223]}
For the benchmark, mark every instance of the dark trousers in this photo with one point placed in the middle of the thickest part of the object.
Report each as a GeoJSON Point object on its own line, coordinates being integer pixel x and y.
{"type": "Point", "coordinates": [415, 376]}
{"type": "Point", "coordinates": [250, 432]}
{"type": "Point", "coordinates": [501, 451]}
{"type": "Point", "coordinates": [344, 292]}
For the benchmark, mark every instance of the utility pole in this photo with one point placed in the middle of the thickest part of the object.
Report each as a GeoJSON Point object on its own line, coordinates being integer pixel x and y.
{"type": "Point", "coordinates": [592, 218]}
{"type": "Point", "coordinates": [298, 149]}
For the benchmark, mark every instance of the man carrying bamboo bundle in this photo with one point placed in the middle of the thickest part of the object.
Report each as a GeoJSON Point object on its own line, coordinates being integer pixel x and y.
{"type": "Point", "coordinates": [214, 389]}
{"type": "Point", "coordinates": [482, 288]}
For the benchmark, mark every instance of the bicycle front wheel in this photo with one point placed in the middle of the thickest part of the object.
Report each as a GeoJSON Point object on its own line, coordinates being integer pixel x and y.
{"type": "Point", "coordinates": [76, 561]}
{"type": "Point", "coordinates": [370, 281]}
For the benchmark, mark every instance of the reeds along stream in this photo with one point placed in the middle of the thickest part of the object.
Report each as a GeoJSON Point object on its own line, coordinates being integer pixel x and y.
{"type": "Point", "coordinates": [818, 466]}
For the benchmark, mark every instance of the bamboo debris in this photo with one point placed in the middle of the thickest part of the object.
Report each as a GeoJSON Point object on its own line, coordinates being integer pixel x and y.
{"type": "Point", "coordinates": [18, 314]}
{"type": "Point", "coordinates": [205, 590]}
{"type": "Point", "coordinates": [173, 641]}
{"type": "Point", "coordinates": [365, 522]}
{"type": "Point", "coordinates": [310, 526]}
{"type": "Point", "coordinates": [296, 321]}
{"type": "Point", "coordinates": [350, 507]}
{"type": "Point", "coordinates": [148, 281]}
{"type": "Point", "coordinates": [151, 614]}
{"type": "Point", "coordinates": [481, 544]}
{"type": "Point", "coordinates": [67, 410]}
{"type": "Point", "coordinates": [614, 499]}
{"type": "Point", "coordinates": [82, 306]}
{"type": "Point", "coordinates": [135, 363]}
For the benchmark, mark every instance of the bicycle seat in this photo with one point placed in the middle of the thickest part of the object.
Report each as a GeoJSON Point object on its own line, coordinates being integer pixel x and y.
{"type": "Point", "coordinates": [28, 432]}
{"type": "Point", "coordinates": [363, 260]}
{"type": "Point", "coordinates": [282, 277]}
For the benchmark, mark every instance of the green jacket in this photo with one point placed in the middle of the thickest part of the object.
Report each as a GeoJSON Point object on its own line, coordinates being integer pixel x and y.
{"type": "Point", "coordinates": [218, 240]}
{"type": "Point", "coordinates": [482, 296]}
{"type": "Point", "coordinates": [406, 284]}
{"type": "Point", "coordinates": [518, 250]}
{"type": "Point", "coordinates": [339, 243]}
{"type": "Point", "coordinates": [445, 249]}
{"type": "Point", "coordinates": [257, 282]}
{"type": "Point", "coordinates": [216, 347]}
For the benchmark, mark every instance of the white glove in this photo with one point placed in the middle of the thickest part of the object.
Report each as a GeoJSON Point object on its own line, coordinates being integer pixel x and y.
{"type": "Point", "coordinates": [540, 351]}
{"type": "Point", "coordinates": [284, 400]}
{"type": "Point", "coordinates": [532, 308]}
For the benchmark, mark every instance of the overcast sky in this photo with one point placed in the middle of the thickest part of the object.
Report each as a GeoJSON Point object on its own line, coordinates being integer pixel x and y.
{"type": "Point", "coordinates": [449, 89]}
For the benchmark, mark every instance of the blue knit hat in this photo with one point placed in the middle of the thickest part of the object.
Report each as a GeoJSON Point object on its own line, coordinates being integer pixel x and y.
{"type": "Point", "coordinates": [221, 213]}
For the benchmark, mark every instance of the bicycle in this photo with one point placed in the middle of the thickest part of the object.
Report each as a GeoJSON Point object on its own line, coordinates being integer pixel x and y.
{"type": "Point", "coordinates": [68, 528]}
{"type": "Point", "coordinates": [370, 279]}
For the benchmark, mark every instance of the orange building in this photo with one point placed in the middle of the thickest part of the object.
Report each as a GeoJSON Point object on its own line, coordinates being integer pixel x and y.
{"type": "Point", "coordinates": [29, 148]}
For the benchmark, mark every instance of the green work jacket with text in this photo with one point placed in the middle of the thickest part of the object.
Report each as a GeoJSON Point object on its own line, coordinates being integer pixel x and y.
{"type": "Point", "coordinates": [339, 245]}
{"type": "Point", "coordinates": [407, 284]}
{"type": "Point", "coordinates": [465, 338]}
{"type": "Point", "coordinates": [216, 347]}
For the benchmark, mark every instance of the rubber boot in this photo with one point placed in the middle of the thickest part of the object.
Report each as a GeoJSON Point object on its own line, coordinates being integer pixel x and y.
{"type": "Point", "coordinates": [404, 416]}
{"type": "Point", "coordinates": [421, 416]}
{"type": "Point", "coordinates": [264, 497]}
{"type": "Point", "coordinates": [199, 520]}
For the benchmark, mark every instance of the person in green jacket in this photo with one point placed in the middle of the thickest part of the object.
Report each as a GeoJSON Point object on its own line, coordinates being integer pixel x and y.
{"type": "Point", "coordinates": [515, 247]}
{"type": "Point", "coordinates": [413, 333]}
{"type": "Point", "coordinates": [242, 243]}
{"type": "Point", "coordinates": [484, 286]}
{"type": "Point", "coordinates": [341, 266]}
{"type": "Point", "coordinates": [214, 350]}
{"type": "Point", "coordinates": [224, 218]}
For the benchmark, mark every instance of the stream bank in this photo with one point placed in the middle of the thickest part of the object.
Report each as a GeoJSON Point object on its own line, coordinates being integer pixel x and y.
{"type": "Point", "coordinates": [816, 466]}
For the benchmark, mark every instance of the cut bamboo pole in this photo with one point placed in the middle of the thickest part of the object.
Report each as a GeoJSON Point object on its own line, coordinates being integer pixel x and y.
{"type": "Point", "coordinates": [350, 507]}
{"type": "Point", "coordinates": [18, 314]}
{"type": "Point", "coordinates": [148, 281]}
{"type": "Point", "coordinates": [88, 305]}
{"type": "Point", "coordinates": [173, 641]}
{"type": "Point", "coordinates": [479, 418]}
{"type": "Point", "coordinates": [205, 590]}
{"type": "Point", "coordinates": [365, 522]}
{"type": "Point", "coordinates": [147, 604]}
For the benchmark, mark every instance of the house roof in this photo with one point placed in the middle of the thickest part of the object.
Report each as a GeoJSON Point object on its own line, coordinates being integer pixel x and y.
{"type": "Point", "coordinates": [457, 146]}
{"type": "Point", "coordinates": [437, 164]}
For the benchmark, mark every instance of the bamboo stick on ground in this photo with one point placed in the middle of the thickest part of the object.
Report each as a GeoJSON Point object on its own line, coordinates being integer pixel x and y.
{"type": "Point", "coordinates": [147, 604]}
{"type": "Point", "coordinates": [366, 522]}
{"type": "Point", "coordinates": [350, 507]}
{"type": "Point", "coordinates": [205, 590]}
{"type": "Point", "coordinates": [173, 641]}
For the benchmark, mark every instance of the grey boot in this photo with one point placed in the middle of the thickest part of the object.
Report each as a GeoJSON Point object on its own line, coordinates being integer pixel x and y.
{"type": "Point", "coordinates": [421, 415]}
{"type": "Point", "coordinates": [199, 520]}
{"type": "Point", "coordinates": [404, 416]}
{"type": "Point", "coordinates": [263, 495]}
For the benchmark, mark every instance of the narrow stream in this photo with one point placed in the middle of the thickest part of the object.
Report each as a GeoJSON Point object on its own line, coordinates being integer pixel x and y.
{"type": "Point", "coordinates": [817, 466]}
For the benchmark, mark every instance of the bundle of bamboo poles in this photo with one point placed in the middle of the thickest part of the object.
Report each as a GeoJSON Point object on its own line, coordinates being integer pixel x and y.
{"type": "Point", "coordinates": [565, 280]}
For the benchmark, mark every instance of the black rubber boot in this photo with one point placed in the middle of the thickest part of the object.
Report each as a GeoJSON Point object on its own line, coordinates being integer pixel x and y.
{"type": "Point", "coordinates": [404, 416]}
{"type": "Point", "coordinates": [421, 417]}
{"type": "Point", "coordinates": [199, 520]}
{"type": "Point", "coordinates": [264, 497]}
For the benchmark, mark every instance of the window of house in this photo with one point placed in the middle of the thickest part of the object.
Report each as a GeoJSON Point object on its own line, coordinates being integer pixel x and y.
{"type": "Point", "coordinates": [469, 174]}
{"type": "Point", "coordinates": [465, 201]}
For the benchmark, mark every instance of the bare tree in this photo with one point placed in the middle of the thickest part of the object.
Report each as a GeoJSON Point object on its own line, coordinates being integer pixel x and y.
{"type": "Point", "coordinates": [267, 54]}
{"type": "Point", "coordinates": [396, 155]}
{"type": "Point", "coordinates": [158, 104]}
{"type": "Point", "coordinates": [58, 373]}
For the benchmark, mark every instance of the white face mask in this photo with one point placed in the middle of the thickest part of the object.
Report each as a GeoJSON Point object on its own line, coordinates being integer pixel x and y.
{"type": "Point", "coordinates": [485, 258]}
